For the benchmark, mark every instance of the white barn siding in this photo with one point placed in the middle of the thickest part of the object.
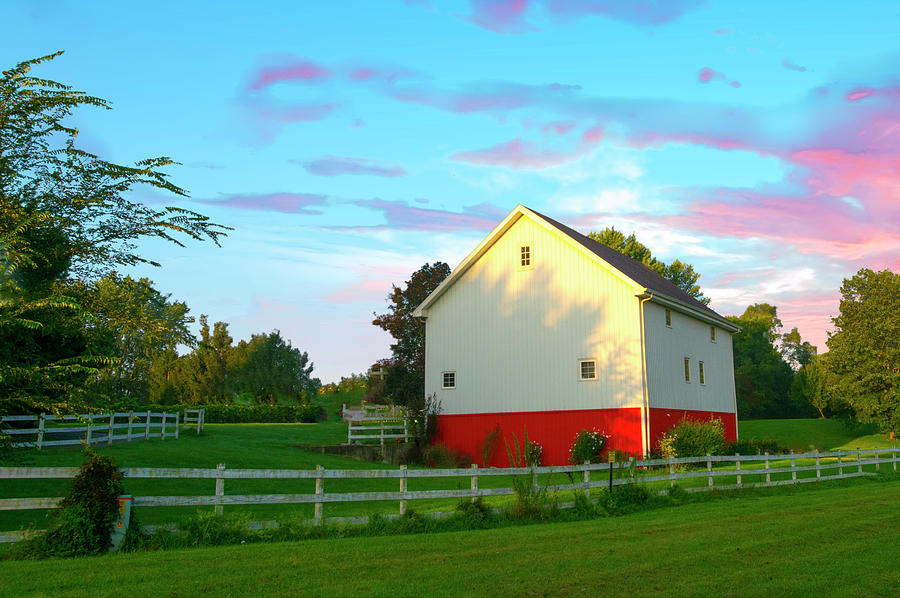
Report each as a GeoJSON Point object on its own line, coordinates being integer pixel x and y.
{"type": "Point", "coordinates": [514, 337]}
{"type": "Point", "coordinates": [666, 350]}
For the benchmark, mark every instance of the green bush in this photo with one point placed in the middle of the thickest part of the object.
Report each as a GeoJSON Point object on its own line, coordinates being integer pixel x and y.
{"type": "Point", "coordinates": [247, 414]}
{"type": "Point", "coordinates": [587, 446]}
{"type": "Point", "coordinates": [693, 439]}
{"type": "Point", "coordinates": [443, 457]}
{"type": "Point", "coordinates": [753, 446]}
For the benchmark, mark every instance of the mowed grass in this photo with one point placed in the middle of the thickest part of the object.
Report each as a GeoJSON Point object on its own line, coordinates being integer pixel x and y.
{"type": "Point", "coordinates": [829, 541]}
{"type": "Point", "coordinates": [808, 434]}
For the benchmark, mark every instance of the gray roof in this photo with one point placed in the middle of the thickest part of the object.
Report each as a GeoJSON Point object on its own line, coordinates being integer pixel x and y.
{"type": "Point", "coordinates": [631, 268]}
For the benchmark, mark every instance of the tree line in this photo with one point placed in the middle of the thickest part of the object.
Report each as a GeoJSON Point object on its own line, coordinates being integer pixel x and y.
{"type": "Point", "coordinates": [74, 332]}
{"type": "Point", "coordinates": [777, 374]}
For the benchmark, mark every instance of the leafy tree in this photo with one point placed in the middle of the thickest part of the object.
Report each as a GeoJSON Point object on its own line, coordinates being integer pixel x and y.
{"type": "Point", "coordinates": [795, 350]}
{"type": "Point", "coordinates": [64, 216]}
{"type": "Point", "coordinates": [405, 381]}
{"type": "Point", "coordinates": [811, 387]}
{"type": "Point", "coordinates": [762, 378]}
{"type": "Point", "coordinates": [678, 273]}
{"type": "Point", "coordinates": [864, 350]}
{"type": "Point", "coordinates": [268, 367]}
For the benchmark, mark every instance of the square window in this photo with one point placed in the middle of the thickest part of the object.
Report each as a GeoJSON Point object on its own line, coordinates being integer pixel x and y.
{"type": "Point", "coordinates": [525, 256]}
{"type": "Point", "coordinates": [668, 318]}
{"type": "Point", "coordinates": [702, 374]}
{"type": "Point", "coordinates": [588, 369]}
{"type": "Point", "coordinates": [448, 380]}
{"type": "Point", "coordinates": [712, 334]}
{"type": "Point", "coordinates": [687, 369]}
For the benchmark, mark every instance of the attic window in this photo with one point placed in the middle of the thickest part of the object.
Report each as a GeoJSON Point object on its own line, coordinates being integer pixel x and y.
{"type": "Point", "coordinates": [525, 257]}
{"type": "Point", "coordinates": [587, 369]}
{"type": "Point", "coordinates": [712, 334]}
{"type": "Point", "coordinates": [448, 380]}
{"type": "Point", "coordinates": [668, 317]}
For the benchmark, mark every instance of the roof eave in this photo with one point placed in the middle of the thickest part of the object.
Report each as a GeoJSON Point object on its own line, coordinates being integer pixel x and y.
{"type": "Point", "coordinates": [711, 318]}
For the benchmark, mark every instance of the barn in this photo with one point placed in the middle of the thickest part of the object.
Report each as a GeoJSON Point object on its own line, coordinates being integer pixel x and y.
{"type": "Point", "coordinates": [542, 329]}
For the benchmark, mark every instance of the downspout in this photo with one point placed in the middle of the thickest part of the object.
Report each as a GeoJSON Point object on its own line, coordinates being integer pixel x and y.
{"type": "Point", "coordinates": [645, 407]}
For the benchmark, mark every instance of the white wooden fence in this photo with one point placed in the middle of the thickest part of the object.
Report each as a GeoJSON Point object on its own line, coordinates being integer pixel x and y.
{"type": "Point", "coordinates": [195, 416]}
{"type": "Point", "coordinates": [136, 425]}
{"type": "Point", "coordinates": [847, 463]}
{"type": "Point", "coordinates": [377, 428]}
{"type": "Point", "coordinates": [365, 412]}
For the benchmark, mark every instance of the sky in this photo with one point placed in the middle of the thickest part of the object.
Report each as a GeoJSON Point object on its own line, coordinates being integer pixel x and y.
{"type": "Point", "coordinates": [350, 142]}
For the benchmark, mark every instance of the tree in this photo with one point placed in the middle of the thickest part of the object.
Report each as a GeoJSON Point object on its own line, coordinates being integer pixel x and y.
{"type": "Point", "coordinates": [678, 273]}
{"type": "Point", "coordinates": [64, 216]}
{"type": "Point", "coordinates": [269, 367]}
{"type": "Point", "coordinates": [795, 350]}
{"type": "Point", "coordinates": [864, 350]}
{"type": "Point", "coordinates": [762, 378]}
{"type": "Point", "coordinates": [405, 381]}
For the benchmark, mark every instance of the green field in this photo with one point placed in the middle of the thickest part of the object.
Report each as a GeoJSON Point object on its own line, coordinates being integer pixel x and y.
{"type": "Point", "coordinates": [808, 434]}
{"type": "Point", "coordinates": [833, 540]}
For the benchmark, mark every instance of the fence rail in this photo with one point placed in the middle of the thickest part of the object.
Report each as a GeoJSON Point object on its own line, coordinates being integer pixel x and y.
{"type": "Point", "coordinates": [823, 463]}
{"type": "Point", "coordinates": [377, 428]}
{"type": "Point", "coordinates": [138, 425]}
{"type": "Point", "coordinates": [355, 413]}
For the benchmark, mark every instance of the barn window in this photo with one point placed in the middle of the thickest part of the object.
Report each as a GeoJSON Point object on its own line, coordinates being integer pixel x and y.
{"type": "Point", "coordinates": [668, 318]}
{"type": "Point", "coordinates": [588, 369]}
{"type": "Point", "coordinates": [687, 369]}
{"type": "Point", "coordinates": [712, 334]}
{"type": "Point", "coordinates": [525, 257]}
{"type": "Point", "coordinates": [448, 380]}
{"type": "Point", "coordinates": [702, 374]}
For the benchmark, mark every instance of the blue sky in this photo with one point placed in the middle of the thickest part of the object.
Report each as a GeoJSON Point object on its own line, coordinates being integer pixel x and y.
{"type": "Point", "coordinates": [349, 143]}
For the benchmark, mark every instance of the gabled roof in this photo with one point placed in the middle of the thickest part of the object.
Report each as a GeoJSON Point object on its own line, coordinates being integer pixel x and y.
{"type": "Point", "coordinates": [644, 279]}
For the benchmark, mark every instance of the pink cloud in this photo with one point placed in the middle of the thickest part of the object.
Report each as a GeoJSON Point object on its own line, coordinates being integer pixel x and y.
{"type": "Point", "coordinates": [792, 67]}
{"type": "Point", "coordinates": [338, 165]}
{"type": "Point", "coordinates": [299, 70]}
{"type": "Point", "coordinates": [366, 291]}
{"type": "Point", "coordinates": [500, 16]}
{"type": "Point", "coordinates": [706, 74]}
{"type": "Point", "coordinates": [861, 93]}
{"type": "Point", "coordinates": [399, 215]}
{"type": "Point", "coordinates": [289, 203]}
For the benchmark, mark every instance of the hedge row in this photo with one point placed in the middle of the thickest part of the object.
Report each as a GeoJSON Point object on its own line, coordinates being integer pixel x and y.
{"type": "Point", "coordinates": [233, 414]}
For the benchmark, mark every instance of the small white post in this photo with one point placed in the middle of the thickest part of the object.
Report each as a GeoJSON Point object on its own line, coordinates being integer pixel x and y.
{"type": "Point", "coordinates": [671, 472]}
{"type": "Point", "coordinates": [818, 466]}
{"type": "Point", "coordinates": [858, 460]}
{"type": "Point", "coordinates": [894, 455]}
{"type": "Point", "coordinates": [112, 422]}
{"type": "Point", "coordinates": [709, 470]}
{"type": "Point", "coordinates": [147, 427]}
{"type": "Point", "coordinates": [473, 483]}
{"type": "Point", "coordinates": [90, 418]}
{"type": "Point", "coordinates": [130, 424]}
{"type": "Point", "coordinates": [793, 465]}
{"type": "Point", "coordinates": [220, 489]}
{"type": "Point", "coordinates": [877, 463]}
{"type": "Point", "coordinates": [405, 431]}
{"type": "Point", "coordinates": [349, 432]}
{"type": "Point", "coordinates": [40, 435]}
{"type": "Point", "coordinates": [320, 489]}
{"type": "Point", "coordinates": [177, 416]}
{"type": "Point", "coordinates": [382, 431]}
{"type": "Point", "coordinates": [840, 464]}
{"type": "Point", "coordinates": [162, 434]}
{"type": "Point", "coordinates": [587, 481]}
{"type": "Point", "coordinates": [738, 464]}
{"type": "Point", "coordinates": [402, 489]}
{"type": "Point", "coordinates": [768, 475]}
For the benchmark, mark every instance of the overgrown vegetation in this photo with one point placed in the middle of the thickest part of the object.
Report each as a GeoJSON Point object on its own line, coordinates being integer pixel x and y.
{"type": "Point", "coordinates": [693, 439]}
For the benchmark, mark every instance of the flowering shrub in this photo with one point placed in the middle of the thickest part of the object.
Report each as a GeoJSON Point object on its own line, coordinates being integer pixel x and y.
{"type": "Point", "coordinates": [587, 446]}
{"type": "Point", "coordinates": [534, 453]}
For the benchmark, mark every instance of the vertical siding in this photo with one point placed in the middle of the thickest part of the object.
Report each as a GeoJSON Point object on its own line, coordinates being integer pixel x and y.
{"type": "Point", "coordinates": [514, 337]}
{"type": "Point", "coordinates": [666, 350]}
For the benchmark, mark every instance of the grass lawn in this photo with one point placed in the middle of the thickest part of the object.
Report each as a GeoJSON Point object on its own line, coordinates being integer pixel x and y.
{"type": "Point", "coordinates": [808, 434]}
{"type": "Point", "coordinates": [837, 540]}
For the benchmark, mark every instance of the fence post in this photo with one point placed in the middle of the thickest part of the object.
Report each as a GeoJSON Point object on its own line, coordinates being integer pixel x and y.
{"type": "Point", "coordinates": [818, 466]}
{"type": "Point", "coordinates": [130, 423]}
{"type": "Point", "coordinates": [671, 472]}
{"type": "Point", "coordinates": [402, 489]}
{"type": "Point", "coordinates": [738, 464]}
{"type": "Point", "coordinates": [894, 455]}
{"type": "Point", "coordinates": [405, 431]}
{"type": "Point", "coordinates": [320, 490]}
{"type": "Point", "coordinates": [840, 464]}
{"type": "Point", "coordinates": [40, 436]}
{"type": "Point", "coordinates": [474, 483]}
{"type": "Point", "coordinates": [177, 416]}
{"type": "Point", "coordinates": [147, 427]}
{"type": "Point", "coordinates": [612, 459]}
{"type": "Point", "coordinates": [163, 429]}
{"type": "Point", "coordinates": [877, 463]}
{"type": "Point", "coordinates": [382, 431]}
{"type": "Point", "coordinates": [768, 475]}
{"type": "Point", "coordinates": [112, 422]}
{"type": "Point", "coordinates": [587, 480]}
{"type": "Point", "coordinates": [793, 465]}
{"type": "Point", "coordinates": [220, 489]}
{"type": "Point", "coordinates": [858, 460]}
{"type": "Point", "coordinates": [709, 470]}
{"type": "Point", "coordinates": [90, 418]}
{"type": "Point", "coordinates": [349, 431]}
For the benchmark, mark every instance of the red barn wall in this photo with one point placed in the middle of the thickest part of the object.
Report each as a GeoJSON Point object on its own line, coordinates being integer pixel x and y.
{"type": "Point", "coordinates": [663, 420]}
